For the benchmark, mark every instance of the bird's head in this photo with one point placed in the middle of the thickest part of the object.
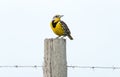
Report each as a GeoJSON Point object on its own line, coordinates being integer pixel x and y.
{"type": "Point", "coordinates": [56, 18]}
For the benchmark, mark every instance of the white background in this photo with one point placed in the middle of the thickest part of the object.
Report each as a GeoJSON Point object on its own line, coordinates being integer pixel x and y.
{"type": "Point", "coordinates": [94, 24]}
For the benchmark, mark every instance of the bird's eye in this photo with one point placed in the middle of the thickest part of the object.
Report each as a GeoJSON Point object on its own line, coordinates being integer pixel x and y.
{"type": "Point", "coordinates": [56, 16]}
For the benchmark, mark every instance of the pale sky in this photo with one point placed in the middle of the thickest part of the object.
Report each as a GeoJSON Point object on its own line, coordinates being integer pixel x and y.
{"type": "Point", "coordinates": [94, 24]}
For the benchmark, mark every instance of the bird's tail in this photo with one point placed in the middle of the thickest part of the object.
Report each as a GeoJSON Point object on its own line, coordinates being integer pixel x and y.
{"type": "Point", "coordinates": [70, 37]}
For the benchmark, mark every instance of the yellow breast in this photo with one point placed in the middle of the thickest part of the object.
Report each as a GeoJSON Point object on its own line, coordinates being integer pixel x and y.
{"type": "Point", "coordinates": [58, 30]}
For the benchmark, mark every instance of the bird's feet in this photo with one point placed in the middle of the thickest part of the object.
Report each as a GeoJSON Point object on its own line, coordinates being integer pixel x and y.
{"type": "Point", "coordinates": [62, 37]}
{"type": "Point", "coordinates": [57, 37]}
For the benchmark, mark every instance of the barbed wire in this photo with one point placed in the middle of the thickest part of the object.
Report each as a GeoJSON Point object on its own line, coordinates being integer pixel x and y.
{"type": "Point", "coordinates": [38, 66]}
{"type": "Point", "coordinates": [21, 66]}
{"type": "Point", "coordinates": [95, 67]}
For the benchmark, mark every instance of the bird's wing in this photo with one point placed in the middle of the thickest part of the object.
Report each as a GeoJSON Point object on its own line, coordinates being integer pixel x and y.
{"type": "Point", "coordinates": [65, 27]}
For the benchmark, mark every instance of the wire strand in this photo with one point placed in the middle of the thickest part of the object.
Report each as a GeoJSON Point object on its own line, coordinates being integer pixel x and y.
{"type": "Point", "coordinates": [94, 67]}
{"type": "Point", "coordinates": [38, 66]}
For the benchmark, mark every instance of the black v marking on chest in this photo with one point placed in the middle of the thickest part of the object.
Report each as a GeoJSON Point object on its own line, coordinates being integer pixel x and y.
{"type": "Point", "coordinates": [54, 24]}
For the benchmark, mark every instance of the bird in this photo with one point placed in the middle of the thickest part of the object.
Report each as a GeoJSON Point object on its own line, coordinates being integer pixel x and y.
{"type": "Point", "coordinates": [59, 27]}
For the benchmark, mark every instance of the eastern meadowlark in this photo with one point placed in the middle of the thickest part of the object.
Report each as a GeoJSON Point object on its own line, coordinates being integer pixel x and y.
{"type": "Point", "coordinates": [59, 27]}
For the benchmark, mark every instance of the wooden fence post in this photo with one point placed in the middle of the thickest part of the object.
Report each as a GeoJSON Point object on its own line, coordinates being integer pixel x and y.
{"type": "Point", "coordinates": [55, 64]}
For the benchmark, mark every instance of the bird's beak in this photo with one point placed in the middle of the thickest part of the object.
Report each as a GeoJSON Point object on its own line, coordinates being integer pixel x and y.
{"type": "Point", "coordinates": [61, 16]}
